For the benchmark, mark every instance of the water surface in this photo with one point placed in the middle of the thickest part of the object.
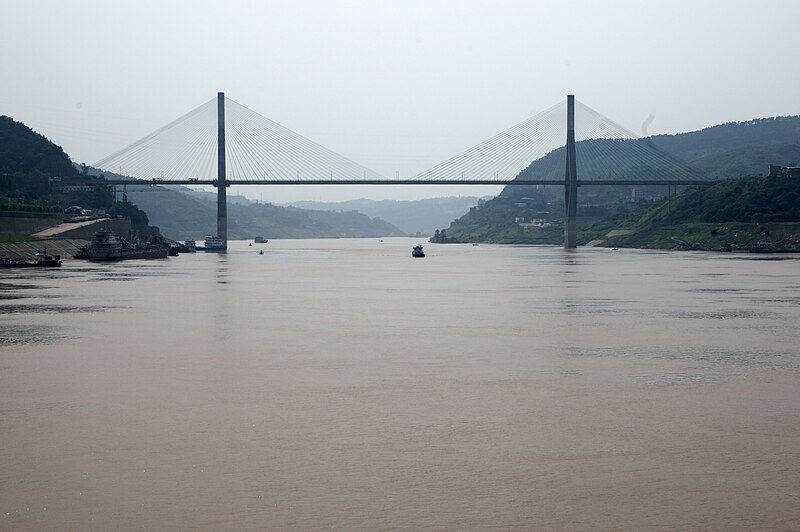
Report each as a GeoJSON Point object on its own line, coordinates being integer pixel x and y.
{"type": "Point", "coordinates": [341, 384]}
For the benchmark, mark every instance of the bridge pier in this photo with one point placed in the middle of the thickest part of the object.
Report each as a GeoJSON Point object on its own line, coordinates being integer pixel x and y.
{"type": "Point", "coordinates": [222, 185]}
{"type": "Point", "coordinates": [570, 181]}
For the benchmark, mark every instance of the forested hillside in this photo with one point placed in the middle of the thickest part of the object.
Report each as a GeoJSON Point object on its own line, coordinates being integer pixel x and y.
{"type": "Point", "coordinates": [731, 215]}
{"type": "Point", "coordinates": [25, 152]}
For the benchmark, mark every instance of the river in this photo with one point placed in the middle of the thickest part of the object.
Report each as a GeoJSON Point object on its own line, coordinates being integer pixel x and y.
{"type": "Point", "coordinates": [342, 384]}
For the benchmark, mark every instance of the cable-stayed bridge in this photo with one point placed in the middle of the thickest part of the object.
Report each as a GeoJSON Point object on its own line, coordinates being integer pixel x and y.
{"type": "Point", "coordinates": [246, 148]}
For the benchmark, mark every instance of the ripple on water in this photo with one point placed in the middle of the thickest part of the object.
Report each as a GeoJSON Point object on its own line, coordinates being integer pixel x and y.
{"type": "Point", "coordinates": [52, 309]}
{"type": "Point", "coordinates": [11, 335]}
{"type": "Point", "coordinates": [724, 314]}
{"type": "Point", "coordinates": [17, 286]}
{"type": "Point", "coordinates": [709, 356]}
{"type": "Point", "coordinates": [680, 379]}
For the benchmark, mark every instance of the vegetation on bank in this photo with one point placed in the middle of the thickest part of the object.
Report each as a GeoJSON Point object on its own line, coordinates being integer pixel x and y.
{"type": "Point", "coordinates": [732, 214]}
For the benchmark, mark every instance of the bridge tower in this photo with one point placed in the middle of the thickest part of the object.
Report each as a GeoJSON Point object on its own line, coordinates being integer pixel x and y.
{"type": "Point", "coordinates": [222, 182]}
{"type": "Point", "coordinates": [570, 180]}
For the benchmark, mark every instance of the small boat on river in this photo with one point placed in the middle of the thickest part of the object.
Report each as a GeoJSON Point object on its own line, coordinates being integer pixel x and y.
{"type": "Point", "coordinates": [42, 259]}
{"type": "Point", "coordinates": [417, 252]}
{"type": "Point", "coordinates": [45, 260]}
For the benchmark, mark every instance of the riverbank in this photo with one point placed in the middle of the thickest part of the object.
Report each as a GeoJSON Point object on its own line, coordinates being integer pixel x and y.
{"type": "Point", "coordinates": [733, 236]}
{"type": "Point", "coordinates": [66, 247]}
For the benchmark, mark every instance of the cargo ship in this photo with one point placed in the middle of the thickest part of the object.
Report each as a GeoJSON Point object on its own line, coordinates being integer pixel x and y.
{"type": "Point", "coordinates": [106, 246]}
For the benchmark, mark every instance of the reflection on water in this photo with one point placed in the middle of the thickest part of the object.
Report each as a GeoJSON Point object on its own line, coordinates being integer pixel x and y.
{"type": "Point", "coordinates": [342, 384]}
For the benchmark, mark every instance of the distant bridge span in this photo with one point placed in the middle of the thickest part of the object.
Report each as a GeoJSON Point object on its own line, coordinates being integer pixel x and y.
{"type": "Point", "coordinates": [229, 182]}
{"type": "Point", "coordinates": [269, 154]}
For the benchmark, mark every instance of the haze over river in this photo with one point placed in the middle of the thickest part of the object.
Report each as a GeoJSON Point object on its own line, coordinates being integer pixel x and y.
{"type": "Point", "coordinates": [342, 384]}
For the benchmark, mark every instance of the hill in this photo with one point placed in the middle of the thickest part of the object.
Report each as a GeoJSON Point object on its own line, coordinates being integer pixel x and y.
{"type": "Point", "coordinates": [25, 152]}
{"type": "Point", "coordinates": [720, 152]}
{"type": "Point", "coordinates": [732, 214]}
{"type": "Point", "coordinates": [37, 183]}
{"type": "Point", "coordinates": [182, 214]}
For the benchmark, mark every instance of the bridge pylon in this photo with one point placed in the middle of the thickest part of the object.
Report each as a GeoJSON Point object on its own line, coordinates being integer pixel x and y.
{"type": "Point", "coordinates": [222, 182]}
{"type": "Point", "coordinates": [570, 180]}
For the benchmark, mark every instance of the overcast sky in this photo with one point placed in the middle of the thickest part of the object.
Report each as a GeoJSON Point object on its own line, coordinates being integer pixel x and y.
{"type": "Point", "coordinates": [396, 86]}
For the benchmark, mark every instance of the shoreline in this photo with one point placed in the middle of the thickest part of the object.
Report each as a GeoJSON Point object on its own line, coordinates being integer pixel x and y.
{"type": "Point", "coordinates": [66, 247]}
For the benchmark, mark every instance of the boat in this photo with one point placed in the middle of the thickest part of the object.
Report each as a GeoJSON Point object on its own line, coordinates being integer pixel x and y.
{"type": "Point", "coordinates": [15, 262]}
{"type": "Point", "coordinates": [765, 246]}
{"type": "Point", "coordinates": [260, 240]}
{"type": "Point", "coordinates": [762, 246]}
{"type": "Point", "coordinates": [45, 260]}
{"type": "Point", "coordinates": [81, 253]}
{"type": "Point", "coordinates": [106, 246]}
{"type": "Point", "coordinates": [173, 250]}
{"type": "Point", "coordinates": [213, 243]}
{"type": "Point", "coordinates": [417, 252]}
{"type": "Point", "coordinates": [189, 246]}
{"type": "Point", "coordinates": [42, 259]}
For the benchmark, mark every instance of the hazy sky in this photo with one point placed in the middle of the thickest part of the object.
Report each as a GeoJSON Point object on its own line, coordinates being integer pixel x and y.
{"type": "Point", "coordinates": [396, 86]}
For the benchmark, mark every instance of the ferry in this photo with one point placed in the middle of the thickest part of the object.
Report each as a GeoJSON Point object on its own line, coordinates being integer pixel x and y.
{"type": "Point", "coordinates": [213, 243]}
{"type": "Point", "coordinates": [261, 240]}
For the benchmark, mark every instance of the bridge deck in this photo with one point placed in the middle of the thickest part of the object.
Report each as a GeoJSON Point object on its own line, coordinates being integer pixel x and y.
{"type": "Point", "coordinates": [608, 182]}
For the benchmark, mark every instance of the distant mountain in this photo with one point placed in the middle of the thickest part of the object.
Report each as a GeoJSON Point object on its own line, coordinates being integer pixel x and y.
{"type": "Point", "coordinates": [411, 216]}
{"type": "Point", "coordinates": [23, 151]}
{"type": "Point", "coordinates": [183, 214]}
{"type": "Point", "coordinates": [719, 152]}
